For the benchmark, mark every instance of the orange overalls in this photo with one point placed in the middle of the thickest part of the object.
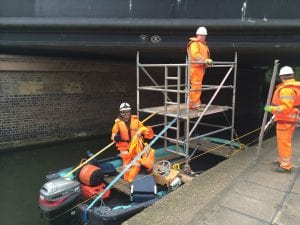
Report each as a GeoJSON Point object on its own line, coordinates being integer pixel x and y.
{"type": "Point", "coordinates": [123, 146]}
{"type": "Point", "coordinates": [137, 145]}
{"type": "Point", "coordinates": [197, 50]}
{"type": "Point", "coordinates": [286, 117]}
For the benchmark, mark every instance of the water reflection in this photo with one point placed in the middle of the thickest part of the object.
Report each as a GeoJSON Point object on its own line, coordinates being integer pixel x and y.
{"type": "Point", "coordinates": [23, 172]}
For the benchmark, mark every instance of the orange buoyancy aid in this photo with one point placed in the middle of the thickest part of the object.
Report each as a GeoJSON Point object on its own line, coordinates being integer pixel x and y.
{"type": "Point", "coordinates": [196, 50]}
{"type": "Point", "coordinates": [137, 142]}
{"type": "Point", "coordinates": [137, 146]}
{"type": "Point", "coordinates": [288, 92]}
{"type": "Point", "coordinates": [148, 158]}
{"type": "Point", "coordinates": [295, 85]}
{"type": "Point", "coordinates": [149, 133]}
{"type": "Point", "coordinates": [125, 134]}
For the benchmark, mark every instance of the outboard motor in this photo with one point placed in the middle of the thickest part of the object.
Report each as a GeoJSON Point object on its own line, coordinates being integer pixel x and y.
{"type": "Point", "coordinates": [58, 195]}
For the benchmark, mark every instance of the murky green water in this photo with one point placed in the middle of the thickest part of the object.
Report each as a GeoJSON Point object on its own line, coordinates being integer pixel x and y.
{"type": "Point", "coordinates": [23, 173]}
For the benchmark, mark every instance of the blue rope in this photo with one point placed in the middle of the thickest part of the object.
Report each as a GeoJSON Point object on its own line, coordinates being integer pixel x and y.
{"type": "Point", "coordinates": [126, 168]}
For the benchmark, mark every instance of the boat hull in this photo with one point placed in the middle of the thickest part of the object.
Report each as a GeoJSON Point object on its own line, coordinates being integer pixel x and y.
{"type": "Point", "coordinates": [109, 216]}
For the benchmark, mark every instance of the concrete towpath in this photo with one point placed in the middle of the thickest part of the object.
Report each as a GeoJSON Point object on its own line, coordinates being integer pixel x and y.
{"type": "Point", "coordinates": [235, 192]}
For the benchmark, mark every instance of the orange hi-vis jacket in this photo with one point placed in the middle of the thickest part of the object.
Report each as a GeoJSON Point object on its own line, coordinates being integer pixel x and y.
{"type": "Point", "coordinates": [197, 50]}
{"type": "Point", "coordinates": [126, 135]}
{"type": "Point", "coordinates": [285, 98]}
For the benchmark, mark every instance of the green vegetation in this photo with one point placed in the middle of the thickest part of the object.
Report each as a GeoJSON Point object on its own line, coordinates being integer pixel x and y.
{"type": "Point", "coordinates": [269, 73]}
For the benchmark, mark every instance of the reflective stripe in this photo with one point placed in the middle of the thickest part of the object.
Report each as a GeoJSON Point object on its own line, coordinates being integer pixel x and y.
{"type": "Point", "coordinates": [287, 97]}
{"type": "Point", "coordinates": [277, 109]}
{"type": "Point", "coordinates": [293, 115]}
{"type": "Point", "coordinates": [124, 152]}
{"type": "Point", "coordinates": [137, 164]}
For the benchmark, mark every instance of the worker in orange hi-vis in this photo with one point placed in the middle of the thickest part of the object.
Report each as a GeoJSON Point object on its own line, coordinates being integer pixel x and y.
{"type": "Point", "coordinates": [285, 99]}
{"type": "Point", "coordinates": [197, 50]}
{"type": "Point", "coordinates": [127, 129]}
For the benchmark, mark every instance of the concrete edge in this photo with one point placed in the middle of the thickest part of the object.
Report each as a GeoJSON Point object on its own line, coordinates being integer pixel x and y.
{"type": "Point", "coordinates": [192, 198]}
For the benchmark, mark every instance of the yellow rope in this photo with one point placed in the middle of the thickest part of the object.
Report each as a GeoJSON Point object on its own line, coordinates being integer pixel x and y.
{"type": "Point", "coordinates": [68, 210]}
{"type": "Point", "coordinates": [221, 146]}
{"type": "Point", "coordinates": [174, 166]}
{"type": "Point", "coordinates": [99, 152]}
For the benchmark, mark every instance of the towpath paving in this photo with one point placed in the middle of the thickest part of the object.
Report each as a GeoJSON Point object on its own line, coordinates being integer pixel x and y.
{"type": "Point", "coordinates": [237, 191]}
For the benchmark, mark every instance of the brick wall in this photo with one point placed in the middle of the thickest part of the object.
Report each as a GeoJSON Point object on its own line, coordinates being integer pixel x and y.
{"type": "Point", "coordinates": [49, 99]}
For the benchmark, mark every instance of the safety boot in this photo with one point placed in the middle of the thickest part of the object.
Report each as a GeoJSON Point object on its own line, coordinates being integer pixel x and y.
{"type": "Point", "coordinates": [195, 105]}
{"type": "Point", "coordinates": [276, 163]}
{"type": "Point", "coordinates": [283, 170]}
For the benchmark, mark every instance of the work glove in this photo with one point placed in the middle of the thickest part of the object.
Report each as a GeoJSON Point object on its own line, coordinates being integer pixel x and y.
{"type": "Point", "coordinates": [117, 138]}
{"type": "Point", "coordinates": [209, 61]}
{"type": "Point", "coordinates": [268, 108]}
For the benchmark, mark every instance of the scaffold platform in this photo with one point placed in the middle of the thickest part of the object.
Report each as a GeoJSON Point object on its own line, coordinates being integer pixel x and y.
{"type": "Point", "coordinates": [184, 112]}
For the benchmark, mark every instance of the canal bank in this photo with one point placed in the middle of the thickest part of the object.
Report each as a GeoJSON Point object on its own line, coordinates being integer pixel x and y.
{"type": "Point", "coordinates": [236, 191]}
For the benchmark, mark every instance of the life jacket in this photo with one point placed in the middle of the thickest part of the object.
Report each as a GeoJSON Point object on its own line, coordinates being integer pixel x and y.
{"type": "Point", "coordinates": [137, 143]}
{"type": "Point", "coordinates": [200, 45]}
{"type": "Point", "coordinates": [295, 85]}
{"type": "Point", "coordinates": [89, 192]}
{"type": "Point", "coordinates": [292, 115]}
{"type": "Point", "coordinates": [149, 133]}
{"type": "Point", "coordinates": [148, 158]}
{"type": "Point", "coordinates": [125, 134]}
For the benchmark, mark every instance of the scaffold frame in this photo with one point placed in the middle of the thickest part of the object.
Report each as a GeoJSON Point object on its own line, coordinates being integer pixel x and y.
{"type": "Point", "coordinates": [174, 85]}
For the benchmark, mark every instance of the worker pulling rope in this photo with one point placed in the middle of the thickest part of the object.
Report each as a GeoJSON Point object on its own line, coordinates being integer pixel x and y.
{"type": "Point", "coordinates": [100, 151]}
{"type": "Point", "coordinates": [126, 169]}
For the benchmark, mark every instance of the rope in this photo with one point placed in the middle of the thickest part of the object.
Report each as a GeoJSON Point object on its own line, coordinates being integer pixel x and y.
{"type": "Point", "coordinates": [177, 164]}
{"type": "Point", "coordinates": [174, 166]}
{"type": "Point", "coordinates": [127, 167]}
{"type": "Point", "coordinates": [234, 130]}
{"type": "Point", "coordinates": [74, 207]}
{"type": "Point", "coordinates": [99, 152]}
{"type": "Point", "coordinates": [253, 131]}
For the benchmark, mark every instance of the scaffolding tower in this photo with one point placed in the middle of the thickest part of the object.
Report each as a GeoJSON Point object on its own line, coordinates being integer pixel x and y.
{"type": "Point", "coordinates": [170, 85]}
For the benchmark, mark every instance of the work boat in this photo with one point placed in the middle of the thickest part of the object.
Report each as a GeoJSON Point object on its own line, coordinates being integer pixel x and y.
{"type": "Point", "coordinates": [97, 194]}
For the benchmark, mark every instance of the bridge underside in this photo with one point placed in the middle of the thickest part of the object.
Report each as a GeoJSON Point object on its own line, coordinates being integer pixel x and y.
{"type": "Point", "coordinates": [257, 42]}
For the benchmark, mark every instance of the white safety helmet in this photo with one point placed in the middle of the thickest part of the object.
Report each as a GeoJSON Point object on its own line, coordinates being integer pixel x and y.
{"type": "Point", "coordinates": [124, 107]}
{"type": "Point", "coordinates": [201, 31]}
{"type": "Point", "coordinates": [286, 70]}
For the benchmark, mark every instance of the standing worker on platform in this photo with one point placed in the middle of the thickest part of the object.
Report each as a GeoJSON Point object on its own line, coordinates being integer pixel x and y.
{"type": "Point", "coordinates": [124, 130]}
{"type": "Point", "coordinates": [285, 99]}
{"type": "Point", "coordinates": [197, 50]}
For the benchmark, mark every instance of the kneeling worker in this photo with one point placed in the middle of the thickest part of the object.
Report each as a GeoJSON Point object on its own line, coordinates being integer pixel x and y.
{"type": "Point", "coordinates": [128, 128]}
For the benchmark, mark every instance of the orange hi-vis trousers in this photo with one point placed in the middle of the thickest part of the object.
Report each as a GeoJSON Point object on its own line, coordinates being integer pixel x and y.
{"type": "Point", "coordinates": [284, 132]}
{"type": "Point", "coordinates": [130, 174]}
{"type": "Point", "coordinates": [196, 77]}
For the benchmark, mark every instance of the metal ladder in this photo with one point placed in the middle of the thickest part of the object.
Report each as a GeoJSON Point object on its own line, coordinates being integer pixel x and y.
{"type": "Point", "coordinates": [176, 83]}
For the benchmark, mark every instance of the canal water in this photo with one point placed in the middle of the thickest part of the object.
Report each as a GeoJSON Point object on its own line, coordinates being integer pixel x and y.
{"type": "Point", "coordinates": [23, 173]}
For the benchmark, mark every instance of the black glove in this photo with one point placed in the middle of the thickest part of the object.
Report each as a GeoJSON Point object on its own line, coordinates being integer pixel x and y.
{"type": "Point", "coordinates": [117, 138]}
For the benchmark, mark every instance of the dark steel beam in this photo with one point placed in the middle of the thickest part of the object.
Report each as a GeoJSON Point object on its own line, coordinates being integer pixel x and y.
{"type": "Point", "coordinates": [166, 38]}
